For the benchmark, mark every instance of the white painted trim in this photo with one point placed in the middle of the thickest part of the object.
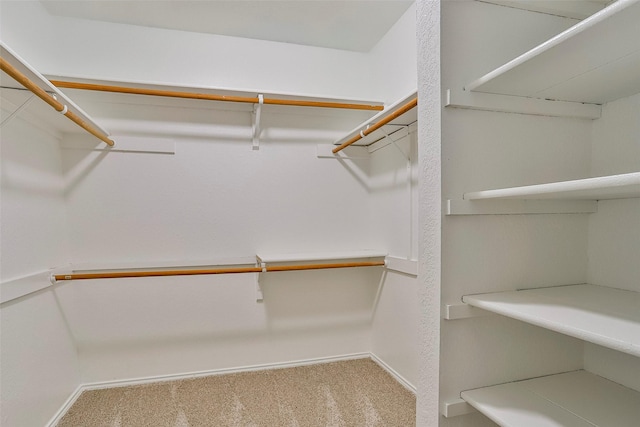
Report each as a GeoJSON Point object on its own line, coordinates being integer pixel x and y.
{"type": "Point", "coordinates": [25, 285]}
{"type": "Point", "coordinates": [402, 380]}
{"type": "Point", "coordinates": [402, 265]}
{"type": "Point", "coordinates": [463, 311]}
{"type": "Point", "coordinates": [519, 207]}
{"type": "Point", "coordinates": [455, 408]}
{"type": "Point", "coordinates": [458, 98]}
{"type": "Point", "coordinates": [65, 406]}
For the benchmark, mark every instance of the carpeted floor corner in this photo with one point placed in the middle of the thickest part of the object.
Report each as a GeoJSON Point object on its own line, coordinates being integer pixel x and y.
{"type": "Point", "coordinates": [340, 394]}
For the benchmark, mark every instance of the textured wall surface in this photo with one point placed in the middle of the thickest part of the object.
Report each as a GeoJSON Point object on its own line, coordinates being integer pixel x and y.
{"type": "Point", "coordinates": [429, 210]}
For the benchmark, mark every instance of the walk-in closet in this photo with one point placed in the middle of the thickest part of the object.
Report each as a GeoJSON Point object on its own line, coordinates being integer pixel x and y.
{"type": "Point", "coordinates": [320, 213]}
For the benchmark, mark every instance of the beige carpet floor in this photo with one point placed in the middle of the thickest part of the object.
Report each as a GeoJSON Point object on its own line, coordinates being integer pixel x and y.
{"type": "Point", "coordinates": [340, 394]}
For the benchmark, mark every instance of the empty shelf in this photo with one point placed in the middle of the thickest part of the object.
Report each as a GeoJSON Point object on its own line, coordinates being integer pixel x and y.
{"type": "Point", "coordinates": [573, 399]}
{"type": "Point", "coordinates": [595, 61]}
{"type": "Point", "coordinates": [605, 187]}
{"type": "Point", "coordinates": [323, 256]}
{"type": "Point", "coordinates": [605, 316]}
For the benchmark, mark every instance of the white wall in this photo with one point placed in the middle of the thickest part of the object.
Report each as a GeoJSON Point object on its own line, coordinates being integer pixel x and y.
{"type": "Point", "coordinates": [215, 199]}
{"type": "Point", "coordinates": [395, 225]}
{"type": "Point", "coordinates": [138, 54]}
{"type": "Point", "coordinates": [614, 231]}
{"type": "Point", "coordinates": [39, 365]}
{"type": "Point", "coordinates": [489, 253]}
{"type": "Point", "coordinates": [394, 60]}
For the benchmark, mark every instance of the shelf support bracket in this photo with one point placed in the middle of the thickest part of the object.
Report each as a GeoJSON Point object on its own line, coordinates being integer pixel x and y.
{"type": "Point", "coordinates": [18, 110]}
{"type": "Point", "coordinates": [259, 295]}
{"type": "Point", "coordinates": [463, 311]}
{"type": "Point", "coordinates": [456, 408]}
{"type": "Point", "coordinates": [256, 115]}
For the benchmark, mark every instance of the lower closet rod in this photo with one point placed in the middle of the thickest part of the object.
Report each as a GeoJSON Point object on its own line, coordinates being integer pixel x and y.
{"type": "Point", "coordinates": [126, 274]}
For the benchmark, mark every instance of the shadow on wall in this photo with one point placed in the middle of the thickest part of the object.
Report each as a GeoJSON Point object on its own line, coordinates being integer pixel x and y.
{"type": "Point", "coordinates": [122, 312]}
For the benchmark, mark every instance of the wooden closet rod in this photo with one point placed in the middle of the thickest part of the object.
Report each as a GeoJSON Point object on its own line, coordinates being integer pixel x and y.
{"type": "Point", "coordinates": [57, 105]}
{"type": "Point", "coordinates": [406, 107]}
{"type": "Point", "coordinates": [211, 97]}
{"type": "Point", "coordinates": [230, 270]}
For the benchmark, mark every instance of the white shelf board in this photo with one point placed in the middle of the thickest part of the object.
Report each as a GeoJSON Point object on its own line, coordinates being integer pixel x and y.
{"type": "Point", "coordinates": [519, 207]}
{"type": "Point", "coordinates": [605, 187]}
{"type": "Point", "coordinates": [605, 316]}
{"type": "Point", "coordinates": [595, 61]}
{"type": "Point", "coordinates": [39, 107]}
{"type": "Point", "coordinates": [25, 285]}
{"type": "Point", "coordinates": [568, 9]}
{"type": "Point", "coordinates": [466, 99]}
{"type": "Point", "coordinates": [390, 128]}
{"type": "Point", "coordinates": [321, 256]}
{"type": "Point", "coordinates": [572, 399]}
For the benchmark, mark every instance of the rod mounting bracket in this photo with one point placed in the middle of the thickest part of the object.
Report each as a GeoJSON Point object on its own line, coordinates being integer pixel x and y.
{"type": "Point", "coordinates": [256, 115]}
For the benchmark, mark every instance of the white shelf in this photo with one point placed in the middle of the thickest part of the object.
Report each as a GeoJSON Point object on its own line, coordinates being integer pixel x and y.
{"type": "Point", "coordinates": [604, 187]}
{"type": "Point", "coordinates": [321, 256]}
{"type": "Point", "coordinates": [390, 128]}
{"type": "Point", "coordinates": [595, 61]}
{"type": "Point", "coordinates": [605, 316]}
{"type": "Point", "coordinates": [41, 111]}
{"type": "Point", "coordinates": [573, 399]}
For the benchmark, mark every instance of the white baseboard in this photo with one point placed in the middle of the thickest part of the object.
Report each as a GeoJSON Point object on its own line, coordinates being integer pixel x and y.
{"type": "Point", "coordinates": [183, 376]}
{"type": "Point", "coordinates": [65, 406]}
{"type": "Point", "coordinates": [402, 380]}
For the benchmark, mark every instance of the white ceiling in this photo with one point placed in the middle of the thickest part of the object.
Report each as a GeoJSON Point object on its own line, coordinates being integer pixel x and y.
{"type": "Point", "coordinates": [355, 25]}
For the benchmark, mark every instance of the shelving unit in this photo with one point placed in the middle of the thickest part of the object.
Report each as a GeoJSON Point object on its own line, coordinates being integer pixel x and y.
{"type": "Point", "coordinates": [573, 399]}
{"type": "Point", "coordinates": [572, 75]}
{"type": "Point", "coordinates": [594, 62]}
{"type": "Point", "coordinates": [601, 315]}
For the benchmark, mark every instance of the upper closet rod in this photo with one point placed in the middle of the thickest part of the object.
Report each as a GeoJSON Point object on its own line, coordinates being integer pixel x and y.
{"type": "Point", "coordinates": [406, 107]}
{"type": "Point", "coordinates": [57, 105]}
{"type": "Point", "coordinates": [123, 274]}
{"type": "Point", "coordinates": [211, 97]}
